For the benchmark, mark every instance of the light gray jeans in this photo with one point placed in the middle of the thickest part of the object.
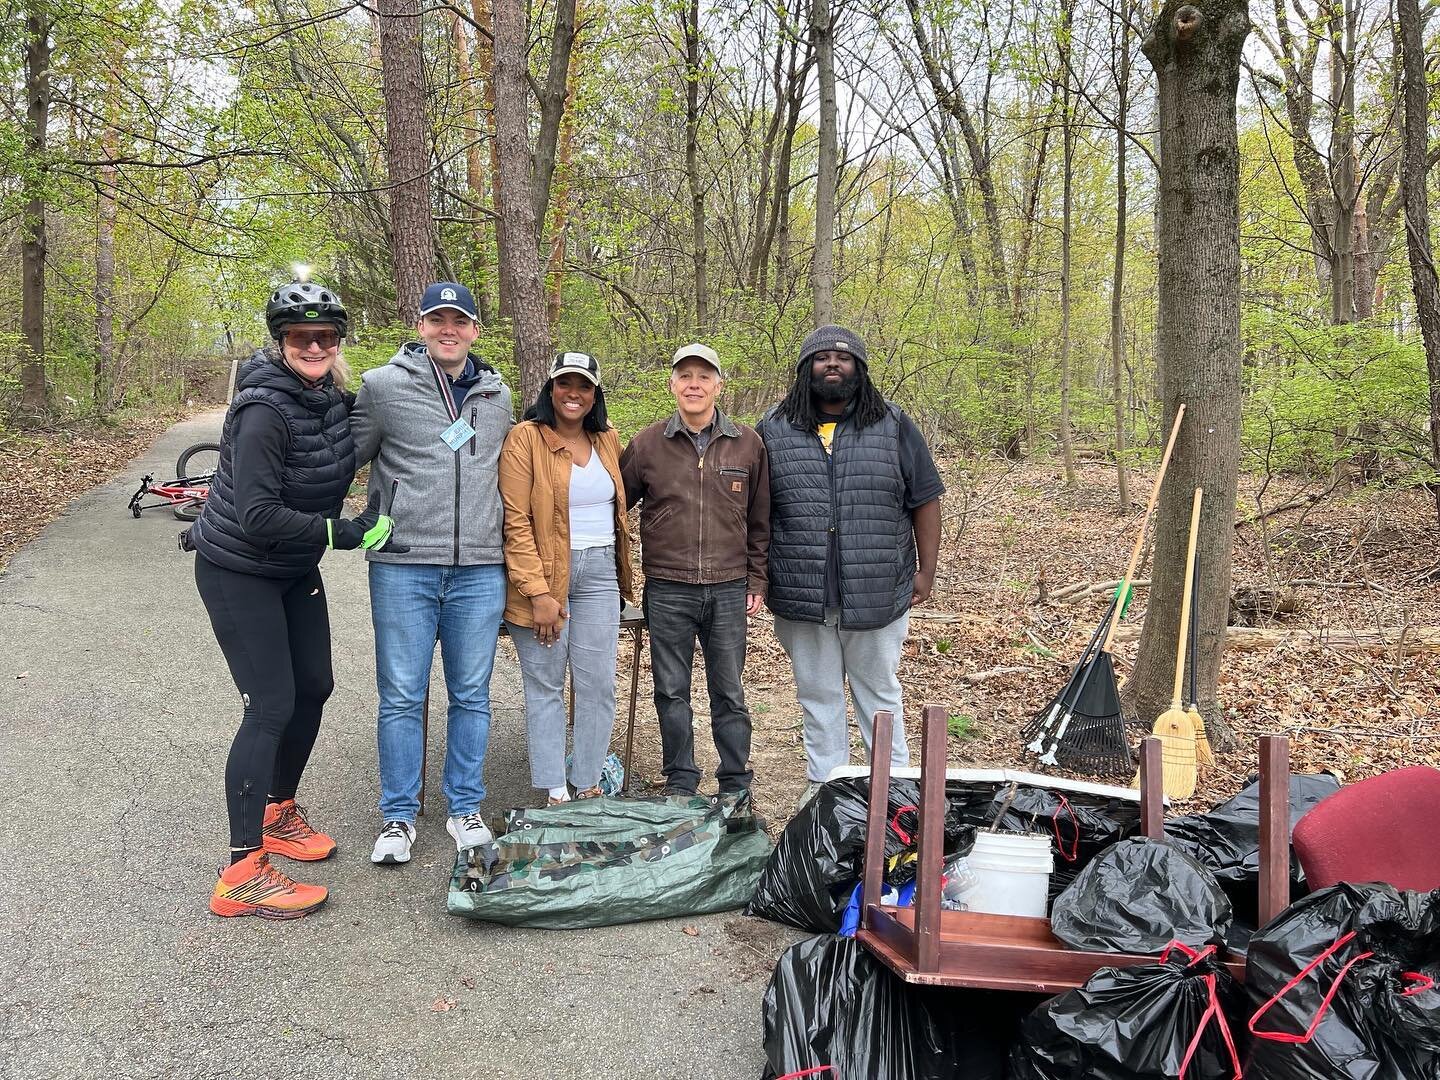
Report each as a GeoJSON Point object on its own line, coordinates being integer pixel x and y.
{"type": "Point", "coordinates": [824, 659]}
{"type": "Point", "coordinates": [587, 643]}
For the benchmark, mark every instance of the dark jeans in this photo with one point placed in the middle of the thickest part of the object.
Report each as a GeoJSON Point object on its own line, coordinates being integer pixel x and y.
{"type": "Point", "coordinates": [275, 635]}
{"type": "Point", "coordinates": [676, 614]}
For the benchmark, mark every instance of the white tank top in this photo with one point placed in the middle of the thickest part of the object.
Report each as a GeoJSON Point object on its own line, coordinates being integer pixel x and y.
{"type": "Point", "coordinates": [592, 504]}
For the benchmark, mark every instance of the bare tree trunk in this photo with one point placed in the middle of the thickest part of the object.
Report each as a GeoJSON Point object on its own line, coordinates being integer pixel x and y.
{"type": "Point", "coordinates": [553, 96]}
{"type": "Point", "coordinates": [526, 301]}
{"type": "Point", "coordinates": [1195, 48]}
{"type": "Point", "coordinates": [407, 151]}
{"type": "Point", "coordinates": [33, 391]}
{"type": "Point", "coordinates": [560, 211]}
{"type": "Point", "coordinates": [698, 244]}
{"type": "Point", "coordinates": [1067, 198]}
{"type": "Point", "coordinates": [1117, 284]}
{"type": "Point", "coordinates": [485, 59]}
{"type": "Point", "coordinates": [474, 173]}
{"type": "Point", "coordinates": [822, 270]}
{"type": "Point", "coordinates": [1410, 31]}
{"type": "Point", "coordinates": [105, 214]}
{"type": "Point", "coordinates": [1344, 166]}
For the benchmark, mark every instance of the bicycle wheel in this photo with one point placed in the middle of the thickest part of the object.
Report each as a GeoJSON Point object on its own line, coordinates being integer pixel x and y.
{"type": "Point", "coordinates": [189, 511]}
{"type": "Point", "coordinates": [202, 459]}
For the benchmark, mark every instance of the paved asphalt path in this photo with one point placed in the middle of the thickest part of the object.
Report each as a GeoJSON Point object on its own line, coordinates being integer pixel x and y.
{"type": "Point", "coordinates": [116, 712]}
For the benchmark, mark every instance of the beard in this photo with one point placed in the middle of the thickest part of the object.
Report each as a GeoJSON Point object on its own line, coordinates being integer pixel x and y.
{"type": "Point", "coordinates": [830, 392]}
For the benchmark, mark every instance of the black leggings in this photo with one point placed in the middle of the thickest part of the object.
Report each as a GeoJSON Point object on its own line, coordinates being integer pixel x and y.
{"type": "Point", "coordinates": [275, 635]}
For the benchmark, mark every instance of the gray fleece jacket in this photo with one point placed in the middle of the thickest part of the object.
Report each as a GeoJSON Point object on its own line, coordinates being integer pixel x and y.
{"type": "Point", "coordinates": [446, 503]}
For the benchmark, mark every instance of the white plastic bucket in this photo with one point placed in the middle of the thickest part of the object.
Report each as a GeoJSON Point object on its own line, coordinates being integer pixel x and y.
{"type": "Point", "coordinates": [1012, 874]}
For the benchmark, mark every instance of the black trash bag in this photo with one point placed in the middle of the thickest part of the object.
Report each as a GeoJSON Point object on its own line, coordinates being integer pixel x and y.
{"type": "Point", "coordinates": [817, 862]}
{"type": "Point", "coordinates": [1081, 825]}
{"type": "Point", "coordinates": [1226, 840]}
{"type": "Point", "coordinates": [1151, 1022]}
{"type": "Point", "coordinates": [810, 875]}
{"type": "Point", "coordinates": [830, 1002]}
{"type": "Point", "coordinates": [1138, 896]}
{"type": "Point", "coordinates": [1343, 983]}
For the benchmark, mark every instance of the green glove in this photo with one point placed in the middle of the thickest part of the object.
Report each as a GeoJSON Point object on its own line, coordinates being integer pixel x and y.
{"type": "Point", "coordinates": [368, 530]}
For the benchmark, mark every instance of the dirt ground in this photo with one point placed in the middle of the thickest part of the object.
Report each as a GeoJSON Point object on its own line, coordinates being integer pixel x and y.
{"type": "Point", "coordinates": [992, 655]}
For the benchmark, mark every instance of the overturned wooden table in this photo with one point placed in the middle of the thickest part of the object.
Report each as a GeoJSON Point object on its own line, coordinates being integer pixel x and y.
{"type": "Point", "coordinates": [928, 945]}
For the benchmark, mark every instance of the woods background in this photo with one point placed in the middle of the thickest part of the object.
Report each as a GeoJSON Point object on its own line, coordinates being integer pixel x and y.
{"type": "Point", "coordinates": [976, 187]}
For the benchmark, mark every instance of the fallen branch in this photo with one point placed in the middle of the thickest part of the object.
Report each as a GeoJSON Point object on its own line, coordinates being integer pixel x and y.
{"type": "Point", "coordinates": [993, 673]}
{"type": "Point", "coordinates": [1406, 640]}
{"type": "Point", "coordinates": [1081, 589]}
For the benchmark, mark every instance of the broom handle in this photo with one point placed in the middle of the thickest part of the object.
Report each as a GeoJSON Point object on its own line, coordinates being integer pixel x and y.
{"type": "Point", "coordinates": [1185, 596]}
{"type": "Point", "coordinates": [1194, 634]}
{"type": "Point", "coordinates": [1144, 526]}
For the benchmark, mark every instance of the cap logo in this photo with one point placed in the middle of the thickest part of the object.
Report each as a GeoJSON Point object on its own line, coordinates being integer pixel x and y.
{"type": "Point", "coordinates": [312, 314]}
{"type": "Point", "coordinates": [447, 294]}
{"type": "Point", "coordinates": [840, 346]}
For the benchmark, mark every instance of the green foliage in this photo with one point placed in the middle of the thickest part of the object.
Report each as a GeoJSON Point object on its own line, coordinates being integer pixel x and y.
{"type": "Point", "coordinates": [1319, 394]}
{"type": "Point", "coordinates": [961, 726]}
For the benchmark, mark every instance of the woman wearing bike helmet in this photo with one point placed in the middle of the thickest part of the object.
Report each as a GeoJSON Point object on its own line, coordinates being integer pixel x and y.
{"type": "Point", "coordinates": [286, 463]}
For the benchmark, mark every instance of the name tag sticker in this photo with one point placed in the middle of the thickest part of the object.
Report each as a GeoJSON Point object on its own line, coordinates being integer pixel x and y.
{"type": "Point", "coordinates": [457, 434]}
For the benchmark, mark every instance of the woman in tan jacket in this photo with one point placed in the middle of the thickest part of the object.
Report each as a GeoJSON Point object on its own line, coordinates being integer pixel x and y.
{"type": "Point", "coordinates": [567, 555]}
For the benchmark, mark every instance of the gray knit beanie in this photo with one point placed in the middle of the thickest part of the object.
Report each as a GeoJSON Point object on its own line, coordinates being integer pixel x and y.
{"type": "Point", "coordinates": [834, 337]}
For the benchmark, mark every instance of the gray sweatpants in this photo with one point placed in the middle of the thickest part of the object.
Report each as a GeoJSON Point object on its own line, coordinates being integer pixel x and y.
{"type": "Point", "coordinates": [588, 643]}
{"type": "Point", "coordinates": [824, 659]}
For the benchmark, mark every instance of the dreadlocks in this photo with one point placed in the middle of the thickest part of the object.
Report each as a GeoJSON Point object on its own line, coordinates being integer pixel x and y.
{"type": "Point", "coordinates": [799, 404]}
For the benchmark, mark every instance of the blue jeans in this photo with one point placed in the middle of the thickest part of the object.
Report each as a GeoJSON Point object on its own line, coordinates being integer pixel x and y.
{"type": "Point", "coordinates": [587, 644]}
{"type": "Point", "coordinates": [412, 604]}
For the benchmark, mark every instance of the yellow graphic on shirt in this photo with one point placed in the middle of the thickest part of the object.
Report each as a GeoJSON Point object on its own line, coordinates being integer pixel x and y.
{"type": "Point", "coordinates": [827, 434]}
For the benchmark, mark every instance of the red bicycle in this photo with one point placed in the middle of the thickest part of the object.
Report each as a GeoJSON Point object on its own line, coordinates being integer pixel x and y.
{"type": "Point", "coordinates": [186, 494]}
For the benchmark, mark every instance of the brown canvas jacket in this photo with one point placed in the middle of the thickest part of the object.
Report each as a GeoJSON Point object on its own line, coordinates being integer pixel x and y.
{"type": "Point", "coordinates": [535, 487]}
{"type": "Point", "coordinates": [703, 520]}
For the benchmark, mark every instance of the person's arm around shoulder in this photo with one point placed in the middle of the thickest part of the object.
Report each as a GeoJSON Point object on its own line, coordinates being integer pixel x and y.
{"type": "Point", "coordinates": [365, 426]}
{"type": "Point", "coordinates": [757, 530]}
{"type": "Point", "coordinates": [522, 554]}
{"type": "Point", "coordinates": [923, 488]}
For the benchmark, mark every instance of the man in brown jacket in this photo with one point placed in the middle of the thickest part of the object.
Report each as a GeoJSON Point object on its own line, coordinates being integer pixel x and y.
{"type": "Point", "coordinates": [704, 483]}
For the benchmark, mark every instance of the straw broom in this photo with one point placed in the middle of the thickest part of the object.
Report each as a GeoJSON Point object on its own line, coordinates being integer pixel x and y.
{"type": "Point", "coordinates": [1173, 727]}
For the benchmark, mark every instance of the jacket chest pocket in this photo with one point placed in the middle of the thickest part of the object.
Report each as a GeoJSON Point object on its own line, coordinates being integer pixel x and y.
{"type": "Point", "coordinates": [734, 481]}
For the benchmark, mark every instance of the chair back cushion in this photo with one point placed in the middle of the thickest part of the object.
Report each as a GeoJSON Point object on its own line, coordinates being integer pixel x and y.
{"type": "Point", "coordinates": [1383, 829]}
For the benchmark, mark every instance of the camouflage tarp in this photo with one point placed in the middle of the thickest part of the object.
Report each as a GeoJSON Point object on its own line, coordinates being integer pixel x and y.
{"type": "Point", "coordinates": [596, 862]}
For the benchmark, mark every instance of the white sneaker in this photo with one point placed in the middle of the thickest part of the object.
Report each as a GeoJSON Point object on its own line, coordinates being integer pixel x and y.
{"type": "Point", "coordinates": [469, 830]}
{"type": "Point", "coordinates": [393, 843]}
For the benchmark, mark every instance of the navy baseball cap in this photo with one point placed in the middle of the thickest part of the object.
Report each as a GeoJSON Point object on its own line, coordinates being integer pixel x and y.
{"type": "Point", "coordinates": [448, 294]}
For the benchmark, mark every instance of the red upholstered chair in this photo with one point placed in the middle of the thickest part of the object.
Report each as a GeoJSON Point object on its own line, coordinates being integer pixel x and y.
{"type": "Point", "coordinates": [1384, 829]}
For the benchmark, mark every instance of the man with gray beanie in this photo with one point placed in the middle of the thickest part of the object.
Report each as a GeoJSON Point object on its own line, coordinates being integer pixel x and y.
{"type": "Point", "coordinates": [854, 535]}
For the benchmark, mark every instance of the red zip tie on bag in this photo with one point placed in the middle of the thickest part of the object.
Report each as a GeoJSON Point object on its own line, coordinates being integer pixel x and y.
{"type": "Point", "coordinates": [816, 1071]}
{"type": "Point", "coordinates": [1074, 852]}
{"type": "Point", "coordinates": [898, 831]}
{"type": "Point", "coordinates": [1423, 982]}
{"type": "Point", "coordinates": [1286, 1037]}
{"type": "Point", "coordinates": [1212, 1011]}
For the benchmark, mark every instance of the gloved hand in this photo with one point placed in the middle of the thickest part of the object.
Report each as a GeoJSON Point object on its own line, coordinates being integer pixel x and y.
{"type": "Point", "coordinates": [368, 530]}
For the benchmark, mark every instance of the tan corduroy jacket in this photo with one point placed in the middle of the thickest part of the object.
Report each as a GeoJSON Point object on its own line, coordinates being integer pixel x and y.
{"type": "Point", "coordinates": [535, 487]}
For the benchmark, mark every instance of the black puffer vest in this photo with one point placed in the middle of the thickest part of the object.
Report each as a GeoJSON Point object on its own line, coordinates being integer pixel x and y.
{"type": "Point", "coordinates": [319, 466]}
{"type": "Point", "coordinates": [858, 493]}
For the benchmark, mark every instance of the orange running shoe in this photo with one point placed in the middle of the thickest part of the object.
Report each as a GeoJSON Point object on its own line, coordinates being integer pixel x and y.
{"type": "Point", "coordinates": [286, 832]}
{"type": "Point", "coordinates": [253, 887]}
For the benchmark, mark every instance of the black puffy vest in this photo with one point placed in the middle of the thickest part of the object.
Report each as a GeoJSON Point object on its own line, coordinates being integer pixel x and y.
{"type": "Point", "coordinates": [857, 490]}
{"type": "Point", "coordinates": [318, 469]}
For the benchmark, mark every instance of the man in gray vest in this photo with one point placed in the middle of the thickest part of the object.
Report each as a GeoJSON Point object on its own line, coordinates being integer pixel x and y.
{"type": "Point", "coordinates": [854, 535]}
